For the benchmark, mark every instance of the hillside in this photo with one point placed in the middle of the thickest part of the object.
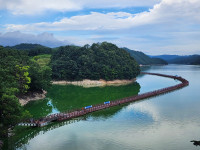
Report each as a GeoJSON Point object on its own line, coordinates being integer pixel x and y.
{"type": "Point", "coordinates": [43, 60]}
{"type": "Point", "coordinates": [32, 49]}
{"type": "Point", "coordinates": [143, 59]}
{"type": "Point", "coordinates": [27, 46]}
{"type": "Point", "coordinates": [165, 57]}
{"type": "Point", "coordinates": [176, 59]}
{"type": "Point", "coordinates": [98, 61]}
{"type": "Point", "coordinates": [37, 49]}
{"type": "Point", "coordinates": [19, 75]}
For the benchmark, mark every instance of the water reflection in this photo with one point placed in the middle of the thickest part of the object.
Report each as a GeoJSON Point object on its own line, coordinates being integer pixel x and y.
{"type": "Point", "coordinates": [54, 109]}
{"type": "Point", "coordinates": [165, 122]}
{"type": "Point", "coordinates": [39, 108]}
{"type": "Point", "coordinates": [25, 134]}
{"type": "Point", "coordinates": [72, 97]}
{"type": "Point", "coordinates": [29, 133]}
{"type": "Point", "coordinates": [63, 98]}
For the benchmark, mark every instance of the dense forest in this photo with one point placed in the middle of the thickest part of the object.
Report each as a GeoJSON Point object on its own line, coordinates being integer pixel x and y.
{"type": "Point", "coordinates": [143, 59]}
{"type": "Point", "coordinates": [98, 61]}
{"type": "Point", "coordinates": [19, 74]}
{"type": "Point", "coordinates": [176, 59]}
{"type": "Point", "coordinates": [31, 67]}
{"type": "Point", "coordinates": [32, 49]}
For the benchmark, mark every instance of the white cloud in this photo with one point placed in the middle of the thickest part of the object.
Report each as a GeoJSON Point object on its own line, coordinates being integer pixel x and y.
{"type": "Point", "coordinates": [169, 25]}
{"type": "Point", "coordinates": [93, 21]}
{"type": "Point", "coordinates": [33, 7]}
{"type": "Point", "coordinates": [167, 12]}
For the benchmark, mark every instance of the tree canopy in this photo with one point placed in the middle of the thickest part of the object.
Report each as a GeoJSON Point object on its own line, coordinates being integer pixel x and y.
{"type": "Point", "coordinates": [18, 74]}
{"type": "Point", "coordinates": [98, 61]}
{"type": "Point", "coordinates": [32, 49]}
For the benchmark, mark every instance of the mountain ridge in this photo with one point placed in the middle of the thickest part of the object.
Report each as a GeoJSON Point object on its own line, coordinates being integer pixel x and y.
{"type": "Point", "coordinates": [144, 59]}
{"type": "Point", "coordinates": [177, 59]}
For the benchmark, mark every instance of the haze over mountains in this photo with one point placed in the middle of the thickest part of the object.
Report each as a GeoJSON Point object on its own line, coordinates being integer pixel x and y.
{"type": "Point", "coordinates": [144, 59]}
{"type": "Point", "coordinates": [17, 37]}
{"type": "Point", "coordinates": [176, 59]}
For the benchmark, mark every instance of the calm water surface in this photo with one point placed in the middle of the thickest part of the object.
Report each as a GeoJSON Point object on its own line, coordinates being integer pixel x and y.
{"type": "Point", "coordinates": [166, 122]}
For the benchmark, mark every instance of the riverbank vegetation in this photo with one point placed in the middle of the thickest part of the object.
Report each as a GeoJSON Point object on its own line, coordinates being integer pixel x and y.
{"type": "Point", "coordinates": [18, 75]}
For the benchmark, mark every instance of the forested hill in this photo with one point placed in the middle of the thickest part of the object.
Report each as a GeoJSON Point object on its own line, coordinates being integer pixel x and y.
{"type": "Point", "coordinates": [26, 46]}
{"type": "Point", "coordinates": [98, 61]}
{"type": "Point", "coordinates": [143, 59]}
{"type": "Point", "coordinates": [37, 49]}
{"type": "Point", "coordinates": [32, 49]}
{"type": "Point", "coordinates": [19, 74]}
{"type": "Point", "coordinates": [176, 59]}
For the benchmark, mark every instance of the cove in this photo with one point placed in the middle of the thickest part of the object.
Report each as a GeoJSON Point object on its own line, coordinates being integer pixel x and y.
{"type": "Point", "coordinates": [168, 121]}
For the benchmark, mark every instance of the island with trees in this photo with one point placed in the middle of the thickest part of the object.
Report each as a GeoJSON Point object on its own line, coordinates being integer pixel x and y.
{"type": "Point", "coordinates": [98, 61]}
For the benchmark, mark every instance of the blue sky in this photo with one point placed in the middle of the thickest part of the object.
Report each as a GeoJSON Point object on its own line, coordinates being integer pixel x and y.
{"type": "Point", "coordinates": [150, 26]}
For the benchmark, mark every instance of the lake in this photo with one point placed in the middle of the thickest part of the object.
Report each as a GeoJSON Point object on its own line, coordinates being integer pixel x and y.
{"type": "Point", "coordinates": [166, 122]}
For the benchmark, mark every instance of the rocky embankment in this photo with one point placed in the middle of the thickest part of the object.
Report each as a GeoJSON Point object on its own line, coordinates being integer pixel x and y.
{"type": "Point", "coordinates": [32, 96]}
{"type": "Point", "coordinates": [94, 83]}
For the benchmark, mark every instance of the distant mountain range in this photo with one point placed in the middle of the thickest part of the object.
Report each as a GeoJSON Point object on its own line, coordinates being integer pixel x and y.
{"type": "Point", "coordinates": [17, 37]}
{"type": "Point", "coordinates": [144, 59]}
{"type": "Point", "coordinates": [32, 49]}
{"type": "Point", "coordinates": [176, 59]}
{"type": "Point", "coordinates": [27, 46]}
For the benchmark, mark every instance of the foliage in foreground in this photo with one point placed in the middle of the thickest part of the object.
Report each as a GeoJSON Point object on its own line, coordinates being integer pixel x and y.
{"type": "Point", "coordinates": [18, 74]}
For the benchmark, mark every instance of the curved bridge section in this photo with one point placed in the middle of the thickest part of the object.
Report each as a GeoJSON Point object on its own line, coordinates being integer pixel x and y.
{"type": "Point", "coordinates": [80, 112]}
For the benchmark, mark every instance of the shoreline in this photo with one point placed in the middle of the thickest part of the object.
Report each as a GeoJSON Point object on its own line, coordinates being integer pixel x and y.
{"type": "Point", "coordinates": [86, 83]}
{"type": "Point", "coordinates": [32, 96]}
{"type": "Point", "coordinates": [83, 111]}
{"type": "Point", "coordinates": [94, 83]}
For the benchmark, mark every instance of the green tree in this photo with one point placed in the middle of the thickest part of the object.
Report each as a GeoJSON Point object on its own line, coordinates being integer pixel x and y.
{"type": "Point", "coordinates": [16, 71]}
{"type": "Point", "coordinates": [10, 110]}
{"type": "Point", "coordinates": [40, 77]}
{"type": "Point", "coordinates": [22, 76]}
{"type": "Point", "coordinates": [98, 61]}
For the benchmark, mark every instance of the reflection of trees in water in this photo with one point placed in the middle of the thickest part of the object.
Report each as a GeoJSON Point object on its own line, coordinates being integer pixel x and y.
{"type": "Point", "coordinates": [108, 112]}
{"type": "Point", "coordinates": [19, 142]}
{"type": "Point", "coordinates": [22, 138]}
{"type": "Point", "coordinates": [71, 97]}
{"type": "Point", "coordinates": [33, 132]}
{"type": "Point", "coordinates": [39, 108]}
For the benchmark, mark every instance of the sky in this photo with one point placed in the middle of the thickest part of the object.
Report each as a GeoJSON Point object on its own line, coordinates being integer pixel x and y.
{"type": "Point", "coordinates": [152, 26]}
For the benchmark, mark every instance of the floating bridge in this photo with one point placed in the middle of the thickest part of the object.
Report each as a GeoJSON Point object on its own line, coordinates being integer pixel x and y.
{"type": "Point", "coordinates": [80, 112]}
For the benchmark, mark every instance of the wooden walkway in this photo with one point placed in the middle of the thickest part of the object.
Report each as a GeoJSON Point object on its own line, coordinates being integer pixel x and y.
{"type": "Point", "coordinates": [80, 112]}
